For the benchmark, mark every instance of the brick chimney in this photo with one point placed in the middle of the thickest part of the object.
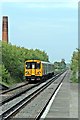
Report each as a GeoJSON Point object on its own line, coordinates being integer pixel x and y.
{"type": "Point", "coordinates": [5, 29]}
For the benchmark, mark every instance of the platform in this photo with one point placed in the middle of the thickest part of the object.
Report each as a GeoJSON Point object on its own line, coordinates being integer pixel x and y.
{"type": "Point", "coordinates": [65, 104]}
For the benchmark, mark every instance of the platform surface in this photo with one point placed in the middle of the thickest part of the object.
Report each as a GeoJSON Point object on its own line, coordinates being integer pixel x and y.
{"type": "Point", "coordinates": [65, 104]}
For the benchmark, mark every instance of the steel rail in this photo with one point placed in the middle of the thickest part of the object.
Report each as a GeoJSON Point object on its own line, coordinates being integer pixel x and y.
{"type": "Point", "coordinates": [11, 89]}
{"type": "Point", "coordinates": [9, 98]}
{"type": "Point", "coordinates": [16, 108]}
{"type": "Point", "coordinates": [43, 109]}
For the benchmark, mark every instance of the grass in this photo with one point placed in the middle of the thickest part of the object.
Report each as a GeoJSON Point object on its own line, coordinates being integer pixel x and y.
{"type": "Point", "coordinates": [73, 78]}
{"type": "Point", "coordinates": [10, 82]}
{"type": "Point", "coordinates": [3, 83]}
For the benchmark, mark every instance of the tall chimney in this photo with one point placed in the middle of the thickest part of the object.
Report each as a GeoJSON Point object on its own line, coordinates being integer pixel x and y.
{"type": "Point", "coordinates": [5, 29]}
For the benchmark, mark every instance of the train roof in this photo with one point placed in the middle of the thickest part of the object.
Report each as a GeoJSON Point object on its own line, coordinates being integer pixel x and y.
{"type": "Point", "coordinates": [46, 62]}
{"type": "Point", "coordinates": [32, 60]}
{"type": "Point", "coordinates": [39, 61]}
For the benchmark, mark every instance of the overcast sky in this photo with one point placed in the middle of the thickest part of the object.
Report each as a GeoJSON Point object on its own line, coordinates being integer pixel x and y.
{"type": "Point", "coordinates": [49, 25]}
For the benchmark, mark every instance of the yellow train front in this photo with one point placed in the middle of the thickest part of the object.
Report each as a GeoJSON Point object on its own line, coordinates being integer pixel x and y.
{"type": "Point", "coordinates": [36, 70]}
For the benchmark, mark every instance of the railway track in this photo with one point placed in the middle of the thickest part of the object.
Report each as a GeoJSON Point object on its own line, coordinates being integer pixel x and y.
{"type": "Point", "coordinates": [26, 98]}
{"type": "Point", "coordinates": [14, 92]}
{"type": "Point", "coordinates": [10, 94]}
{"type": "Point", "coordinates": [11, 89]}
{"type": "Point", "coordinates": [41, 114]}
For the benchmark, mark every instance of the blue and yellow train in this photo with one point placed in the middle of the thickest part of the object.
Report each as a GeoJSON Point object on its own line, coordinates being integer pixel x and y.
{"type": "Point", "coordinates": [36, 70]}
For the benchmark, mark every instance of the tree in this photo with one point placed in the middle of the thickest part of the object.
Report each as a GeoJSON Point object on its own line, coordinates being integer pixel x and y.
{"type": "Point", "coordinates": [75, 65]}
{"type": "Point", "coordinates": [63, 64]}
{"type": "Point", "coordinates": [13, 58]}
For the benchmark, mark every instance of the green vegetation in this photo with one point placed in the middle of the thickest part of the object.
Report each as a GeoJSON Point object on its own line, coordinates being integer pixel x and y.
{"type": "Point", "coordinates": [75, 65]}
{"type": "Point", "coordinates": [12, 63]}
{"type": "Point", "coordinates": [59, 66]}
{"type": "Point", "coordinates": [5, 73]}
{"type": "Point", "coordinates": [13, 57]}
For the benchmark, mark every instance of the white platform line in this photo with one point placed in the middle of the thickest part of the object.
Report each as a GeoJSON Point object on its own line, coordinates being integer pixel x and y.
{"type": "Point", "coordinates": [50, 103]}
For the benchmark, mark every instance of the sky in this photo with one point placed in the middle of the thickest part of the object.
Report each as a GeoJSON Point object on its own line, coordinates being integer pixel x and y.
{"type": "Point", "coordinates": [49, 25]}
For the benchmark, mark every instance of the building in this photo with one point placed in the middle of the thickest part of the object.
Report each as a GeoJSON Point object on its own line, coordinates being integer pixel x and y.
{"type": "Point", "coordinates": [5, 29]}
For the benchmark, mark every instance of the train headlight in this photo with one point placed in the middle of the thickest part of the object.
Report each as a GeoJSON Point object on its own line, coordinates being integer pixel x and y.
{"type": "Point", "coordinates": [38, 72]}
{"type": "Point", "coordinates": [27, 72]}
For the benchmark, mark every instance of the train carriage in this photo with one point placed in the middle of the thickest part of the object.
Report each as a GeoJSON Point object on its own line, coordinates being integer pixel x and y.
{"type": "Point", "coordinates": [36, 69]}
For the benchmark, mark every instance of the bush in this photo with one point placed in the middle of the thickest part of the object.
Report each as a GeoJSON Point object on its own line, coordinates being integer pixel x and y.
{"type": "Point", "coordinates": [4, 73]}
{"type": "Point", "coordinates": [13, 58]}
{"type": "Point", "coordinates": [75, 61]}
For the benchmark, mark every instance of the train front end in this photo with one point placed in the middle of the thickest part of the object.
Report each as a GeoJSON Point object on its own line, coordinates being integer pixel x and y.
{"type": "Point", "coordinates": [33, 70]}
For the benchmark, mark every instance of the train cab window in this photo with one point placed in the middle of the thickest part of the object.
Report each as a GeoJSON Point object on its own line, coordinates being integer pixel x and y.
{"type": "Point", "coordinates": [33, 65]}
{"type": "Point", "coordinates": [37, 65]}
{"type": "Point", "coordinates": [28, 65]}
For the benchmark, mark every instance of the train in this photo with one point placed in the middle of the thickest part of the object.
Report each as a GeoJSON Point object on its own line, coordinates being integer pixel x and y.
{"type": "Point", "coordinates": [36, 70]}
